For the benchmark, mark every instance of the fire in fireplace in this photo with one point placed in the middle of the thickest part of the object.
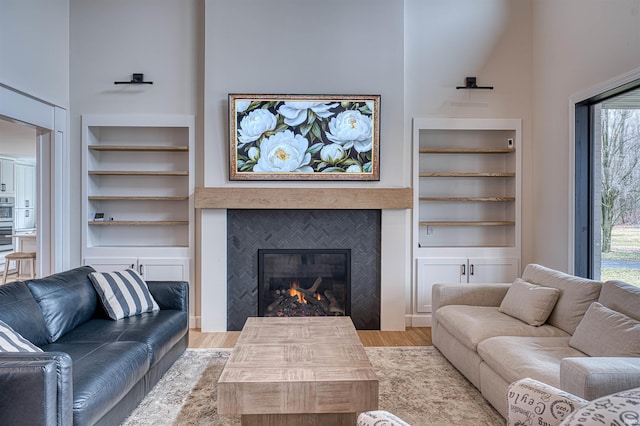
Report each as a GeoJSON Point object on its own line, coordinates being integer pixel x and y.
{"type": "Point", "coordinates": [304, 282]}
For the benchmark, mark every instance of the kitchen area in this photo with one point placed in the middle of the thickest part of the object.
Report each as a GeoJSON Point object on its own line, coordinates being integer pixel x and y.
{"type": "Point", "coordinates": [18, 194]}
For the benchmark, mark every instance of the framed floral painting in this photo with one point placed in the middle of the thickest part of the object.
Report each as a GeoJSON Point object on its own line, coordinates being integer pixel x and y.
{"type": "Point", "coordinates": [304, 137]}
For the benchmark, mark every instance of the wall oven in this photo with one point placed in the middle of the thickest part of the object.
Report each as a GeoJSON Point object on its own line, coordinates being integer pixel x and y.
{"type": "Point", "coordinates": [7, 208]}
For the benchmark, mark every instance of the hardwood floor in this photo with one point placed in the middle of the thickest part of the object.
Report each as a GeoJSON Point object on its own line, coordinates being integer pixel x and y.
{"type": "Point", "coordinates": [412, 336]}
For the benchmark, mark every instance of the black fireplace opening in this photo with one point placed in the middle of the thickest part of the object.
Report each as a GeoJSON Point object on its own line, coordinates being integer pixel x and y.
{"type": "Point", "coordinates": [304, 282]}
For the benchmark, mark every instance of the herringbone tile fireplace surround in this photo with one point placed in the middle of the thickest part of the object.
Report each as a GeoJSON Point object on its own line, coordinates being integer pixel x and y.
{"type": "Point", "coordinates": [251, 230]}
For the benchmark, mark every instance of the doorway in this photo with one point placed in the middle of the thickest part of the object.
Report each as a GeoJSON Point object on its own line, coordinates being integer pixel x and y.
{"type": "Point", "coordinates": [607, 214]}
{"type": "Point", "coordinates": [18, 191]}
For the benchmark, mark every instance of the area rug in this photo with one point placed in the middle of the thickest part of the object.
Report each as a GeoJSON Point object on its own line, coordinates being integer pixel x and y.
{"type": "Point", "coordinates": [416, 383]}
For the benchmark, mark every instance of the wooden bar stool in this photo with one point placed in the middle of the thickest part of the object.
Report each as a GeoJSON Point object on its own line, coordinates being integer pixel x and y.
{"type": "Point", "coordinates": [19, 257]}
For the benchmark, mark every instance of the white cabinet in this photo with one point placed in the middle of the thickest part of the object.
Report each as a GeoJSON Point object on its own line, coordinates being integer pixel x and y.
{"type": "Point", "coordinates": [7, 176]}
{"type": "Point", "coordinates": [25, 200]}
{"type": "Point", "coordinates": [137, 193]}
{"type": "Point", "coordinates": [467, 204]}
{"type": "Point", "coordinates": [151, 269]}
{"type": "Point", "coordinates": [432, 271]}
{"type": "Point", "coordinates": [25, 186]}
{"type": "Point", "coordinates": [24, 219]}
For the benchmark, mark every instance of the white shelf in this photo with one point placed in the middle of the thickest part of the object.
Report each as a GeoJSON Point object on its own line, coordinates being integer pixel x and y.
{"type": "Point", "coordinates": [466, 182]}
{"type": "Point", "coordinates": [138, 171]}
{"type": "Point", "coordinates": [466, 203]}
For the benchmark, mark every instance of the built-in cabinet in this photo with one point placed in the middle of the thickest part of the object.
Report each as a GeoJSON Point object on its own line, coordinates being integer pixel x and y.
{"type": "Point", "coordinates": [466, 202]}
{"type": "Point", "coordinates": [7, 177]}
{"type": "Point", "coordinates": [161, 269]}
{"type": "Point", "coordinates": [25, 200]}
{"type": "Point", "coordinates": [138, 193]}
{"type": "Point", "coordinates": [432, 270]}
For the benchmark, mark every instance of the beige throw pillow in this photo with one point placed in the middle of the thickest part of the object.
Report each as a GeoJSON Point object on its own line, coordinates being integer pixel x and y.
{"type": "Point", "coordinates": [528, 302]}
{"type": "Point", "coordinates": [605, 332]}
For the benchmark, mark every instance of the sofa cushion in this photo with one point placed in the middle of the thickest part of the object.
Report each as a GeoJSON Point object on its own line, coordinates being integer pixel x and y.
{"type": "Point", "coordinates": [103, 373]}
{"type": "Point", "coordinates": [123, 293]}
{"type": "Point", "coordinates": [20, 310]}
{"type": "Point", "coordinates": [10, 341]}
{"type": "Point", "coordinates": [159, 331]}
{"type": "Point", "coordinates": [605, 332]}
{"type": "Point", "coordinates": [67, 299]}
{"type": "Point", "coordinates": [528, 302]}
{"type": "Point", "coordinates": [576, 294]}
{"type": "Point", "coordinates": [515, 358]}
{"type": "Point", "coordinates": [621, 297]}
{"type": "Point", "coordinates": [473, 324]}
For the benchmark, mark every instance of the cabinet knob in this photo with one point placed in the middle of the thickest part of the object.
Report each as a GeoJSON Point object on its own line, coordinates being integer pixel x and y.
{"type": "Point", "coordinates": [471, 269]}
{"type": "Point", "coordinates": [463, 269]}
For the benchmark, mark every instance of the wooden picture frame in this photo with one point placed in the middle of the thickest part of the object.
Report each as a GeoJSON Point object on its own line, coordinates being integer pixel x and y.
{"type": "Point", "coordinates": [304, 137]}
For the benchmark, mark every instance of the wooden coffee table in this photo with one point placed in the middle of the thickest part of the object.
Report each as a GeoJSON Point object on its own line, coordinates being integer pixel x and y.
{"type": "Point", "coordinates": [298, 371]}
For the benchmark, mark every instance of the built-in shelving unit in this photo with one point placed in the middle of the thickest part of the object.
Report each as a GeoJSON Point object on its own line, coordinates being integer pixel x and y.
{"type": "Point", "coordinates": [466, 202]}
{"type": "Point", "coordinates": [138, 175]}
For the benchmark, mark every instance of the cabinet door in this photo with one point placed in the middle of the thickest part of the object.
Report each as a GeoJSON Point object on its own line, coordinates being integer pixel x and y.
{"type": "Point", "coordinates": [7, 176]}
{"type": "Point", "coordinates": [493, 270]}
{"type": "Point", "coordinates": [24, 219]}
{"type": "Point", "coordinates": [164, 269]}
{"type": "Point", "coordinates": [437, 270]}
{"type": "Point", "coordinates": [110, 264]}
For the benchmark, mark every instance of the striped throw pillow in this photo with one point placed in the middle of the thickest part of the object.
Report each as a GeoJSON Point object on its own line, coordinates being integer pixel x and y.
{"type": "Point", "coordinates": [123, 293]}
{"type": "Point", "coordinates": [10, 341]}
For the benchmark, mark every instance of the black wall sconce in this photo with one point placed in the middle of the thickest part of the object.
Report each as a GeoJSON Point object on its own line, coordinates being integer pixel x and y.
{"type": "Point", "coordinates": [470, 83]}
{"type": "Point", "coordinates": [136, 78]}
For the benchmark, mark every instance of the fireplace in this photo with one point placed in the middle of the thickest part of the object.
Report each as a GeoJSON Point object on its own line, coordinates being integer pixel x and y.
{"type": "Point", "coordinates": [304, 282]}
{"type": "Point", "coordinates": [250, 232]}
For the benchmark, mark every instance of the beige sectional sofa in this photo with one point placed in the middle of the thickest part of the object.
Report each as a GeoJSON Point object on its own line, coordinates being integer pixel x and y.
{"type": "Point", "coordinates": [576, 334]}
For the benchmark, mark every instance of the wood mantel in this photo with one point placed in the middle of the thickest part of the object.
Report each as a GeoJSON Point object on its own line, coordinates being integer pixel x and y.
{"type": "Point", "coordinates": [303, 198]}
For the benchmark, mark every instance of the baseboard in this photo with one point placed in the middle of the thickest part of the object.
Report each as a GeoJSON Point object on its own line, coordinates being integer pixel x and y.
{"type": "Point", "coordinates": [418, 320]}
{"type": "Point", "coordinates": [195, 322]}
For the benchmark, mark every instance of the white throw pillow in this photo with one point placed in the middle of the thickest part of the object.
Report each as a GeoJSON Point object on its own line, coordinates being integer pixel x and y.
{"type": "Point", "coordinates": [528, 302]}
{"type": "Point", "coordinates": [605, 332]}
{"type": "Point", "coordinates": [123, 293]}
{"type": "Point", "coordinates": [11, 341]}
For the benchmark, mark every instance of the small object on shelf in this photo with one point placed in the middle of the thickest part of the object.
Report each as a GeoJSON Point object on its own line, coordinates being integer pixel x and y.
{"type": "Point", "coordinates": [99, 217]}
{"type": "Point", "coordinates": [136, 78]}
{"type": "Point", "coordinates": [471, 83]}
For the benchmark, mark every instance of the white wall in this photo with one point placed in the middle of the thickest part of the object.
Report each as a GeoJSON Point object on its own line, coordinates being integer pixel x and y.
{"type": "Point", "coordinates": [446, 41]}
{"type": "Point", "coordinates": [34, 48]}
{"type": "Point", "coordinates": [537, 54]}
{"type": "Point", "coordinates": [110, 40]}
{"type": "Point", "coordinates": [305, 47]}
{"type": "Point", "coordinates": [577, 44]}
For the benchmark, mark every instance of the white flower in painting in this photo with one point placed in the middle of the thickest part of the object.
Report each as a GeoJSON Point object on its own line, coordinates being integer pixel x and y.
{"type": "Point", "coordinates": [354, 168]}
{"type": "Point", "coordinates": [241, 106]}
{"type": "Point", "coordinates": [254, 153]}
{"type": "Point", "coordinates": [254, 124]}
{"type": "Point", "coordinates": [284, 152]}
{"type": "Point", "coordinates": [351, 129]}
{"type": "Point", "coordinates": [331, 154]}
{"type": "Point", "coordinates": [295, 113]}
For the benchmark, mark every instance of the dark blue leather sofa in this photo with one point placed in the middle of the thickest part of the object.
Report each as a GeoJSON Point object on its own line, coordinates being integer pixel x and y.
{"type": "Point", "coordinates": [93, 371]}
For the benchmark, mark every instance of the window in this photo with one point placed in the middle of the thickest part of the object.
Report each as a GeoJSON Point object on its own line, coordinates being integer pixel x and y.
{"type": "Point", "coordinates": [607, 183]}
